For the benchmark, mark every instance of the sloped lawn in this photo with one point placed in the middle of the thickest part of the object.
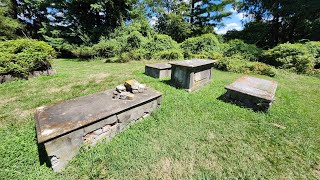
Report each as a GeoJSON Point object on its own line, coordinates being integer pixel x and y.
{"type": "Point", "coordinates": [192, 135]}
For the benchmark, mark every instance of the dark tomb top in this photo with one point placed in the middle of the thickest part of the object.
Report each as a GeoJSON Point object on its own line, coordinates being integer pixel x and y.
{"type": "Point", "coordinates": [159, 66]}
{"type": "Point", "coordinates": [66, 116]}
{"type": "Point", "coordinates": [192, 63]}
{"type": "Point", "coordinates": [261, 88]}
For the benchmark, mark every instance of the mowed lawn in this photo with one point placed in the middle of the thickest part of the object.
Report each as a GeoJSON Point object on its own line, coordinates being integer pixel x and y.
{"type": "Point", "coordinates": [192, 135]}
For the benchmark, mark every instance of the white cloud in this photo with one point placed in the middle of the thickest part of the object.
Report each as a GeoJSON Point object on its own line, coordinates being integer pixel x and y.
{"type": "Point", "coordinates": [227, 27]}
{"type": "Point", "coordinates": [233, 10]}
{"type": "Point", "coordinates": [153, 21]}
{"type": "Point", "coordinates": [241, 16]}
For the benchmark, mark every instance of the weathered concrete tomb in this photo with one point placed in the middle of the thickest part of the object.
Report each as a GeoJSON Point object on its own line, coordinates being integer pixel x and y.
{"type": "Point", "coordinates": [191, 74]}
{"type": "Point", "coordinates": [252, 92]}
{"type": "Point", "coordinates": [62, 128]}
{"type": "Point", "coordinates": [158, 70]}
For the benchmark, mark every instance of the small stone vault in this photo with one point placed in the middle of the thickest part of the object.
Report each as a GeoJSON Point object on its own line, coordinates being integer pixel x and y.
{"type": "Point", "coordinates": [191, 74]}
{"type": "Point", "coordinates": [62, 128]}
{"type": "Point", "coordinates": [161, 70]}
{"type": "Point", "coordinates": [255, 93]}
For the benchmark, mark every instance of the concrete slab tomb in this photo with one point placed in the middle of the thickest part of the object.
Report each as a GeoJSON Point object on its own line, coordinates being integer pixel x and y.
{"type": "Point", "coordinates": [191, 74]}
{"type": "Point", "coordinates": [161, 70]}
{"type": "Point", "coordinates": [62, 128]}
{"type": "Point", "coordinates": [252, 92]}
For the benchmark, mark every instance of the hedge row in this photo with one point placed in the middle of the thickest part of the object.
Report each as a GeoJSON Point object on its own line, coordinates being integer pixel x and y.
{"type": "Point", "coordinates": [20, 57]}
{"type": "Point", "coordinates": [133, 46]}
{"type": "Point", "coordinates": [132, 43]}
{"type": "Point", "coordinates": [300, 58]}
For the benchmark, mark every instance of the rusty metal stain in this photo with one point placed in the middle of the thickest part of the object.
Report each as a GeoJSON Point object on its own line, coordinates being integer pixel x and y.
{"type": "Point", "coordinates": [66, 116]}
{"type": "Point", "coordinates": [264, 89]}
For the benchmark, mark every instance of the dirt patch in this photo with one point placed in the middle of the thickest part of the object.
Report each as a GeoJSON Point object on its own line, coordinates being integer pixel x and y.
{"type": "Point", "coordinates": [23, 113]}
{"type": "Point", "coordinates": [60, 89]}
{"type": "Point", "coordinates": [7, 100]}
{"type": "Point", "coordinates": [99, 77]}
{"type": "Point", "coordinates": [168, 168]}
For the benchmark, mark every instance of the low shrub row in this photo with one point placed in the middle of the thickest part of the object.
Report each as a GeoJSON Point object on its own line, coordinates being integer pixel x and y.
{"type": "Point", "coordinates": [136, 43]}
{"type": "Point", "coordinates": [133, 46]}
{"type": "Point", "coordinates": [20, 57]}
{"type": "Point", "coordinates": [238, 64]}
{"type": "Point", "coordinates": [300, 58]}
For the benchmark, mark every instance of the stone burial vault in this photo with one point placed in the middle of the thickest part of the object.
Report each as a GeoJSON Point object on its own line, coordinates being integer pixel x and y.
{"type": "Point", "coordinates": [255, 93]}
{"type": "Point", "coordinates": [158, 70]}
{"type": "Point", "coordinates": [191, 74]}
{"type": "Point", "coordinates": [63, 127]}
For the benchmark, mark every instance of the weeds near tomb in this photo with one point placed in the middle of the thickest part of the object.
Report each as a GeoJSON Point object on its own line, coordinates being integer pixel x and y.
{"type": "Point", "coordinates": [192, 135]}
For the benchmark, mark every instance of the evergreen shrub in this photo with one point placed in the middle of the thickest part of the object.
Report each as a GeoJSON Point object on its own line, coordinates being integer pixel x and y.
{"type": "Point", "coordinates": [22, 56]}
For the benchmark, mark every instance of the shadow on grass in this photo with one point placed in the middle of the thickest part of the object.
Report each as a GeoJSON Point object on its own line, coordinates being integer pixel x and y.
{"type": "Point", "coordinates": [244, 103]}
{"type": "Point", "coordinates": [171, 83]}
{"type": "Point", "coordinates": [43, 156]}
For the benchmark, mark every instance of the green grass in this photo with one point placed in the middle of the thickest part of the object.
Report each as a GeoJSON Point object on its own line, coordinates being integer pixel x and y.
{"type": "Point", "coordinates": [192, 135]}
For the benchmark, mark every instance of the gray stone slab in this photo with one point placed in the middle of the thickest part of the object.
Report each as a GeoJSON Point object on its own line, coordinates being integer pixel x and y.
{"type": "Point", "coordinates": [158, 70]}
{"type": "Point", "coordinates": [64, 127]}
{"type": "Point", "coordinates": [159, 66]}
{"type": "Point", "coordinates": [192, 63]}
{"type": "Point", "coordinates": [261, 88]}
{"type": "Point", "coordinates": [63, 117]}
{"type": "Point", "coordinates": [191, 74]}
{"type": "Point", "coordinates": [252, 92]}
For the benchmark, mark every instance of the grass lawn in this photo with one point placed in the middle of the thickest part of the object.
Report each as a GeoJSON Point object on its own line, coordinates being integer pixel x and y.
{"type": "Point", "coordinates": [192, 135]}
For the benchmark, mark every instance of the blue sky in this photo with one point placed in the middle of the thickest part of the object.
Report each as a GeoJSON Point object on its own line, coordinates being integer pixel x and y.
{"type": "Point", "coordinates": [235, 21]}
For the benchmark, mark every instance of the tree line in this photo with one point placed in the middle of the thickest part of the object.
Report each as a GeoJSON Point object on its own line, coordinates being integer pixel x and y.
{"type": "Point", "coordinates": [85, 22]}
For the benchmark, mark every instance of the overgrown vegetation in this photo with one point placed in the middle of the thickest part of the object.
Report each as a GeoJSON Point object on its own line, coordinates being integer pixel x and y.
{"type": "Point", "coordinates": [129, 43]}
{"type": "Point", "coordinates": [248, 51]}
{"type": "Point", "coordinates": [203, 45]}
{"type": "Point", "coordinates": [294, 57]}
{"type": "Point", "coordinates": [238, 64]}
{"type": "Point", "coordinates": [20, 57]}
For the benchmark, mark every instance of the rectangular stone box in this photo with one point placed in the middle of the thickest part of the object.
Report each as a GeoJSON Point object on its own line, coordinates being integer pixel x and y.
{"type": "Point", "coordinates": [191, 74]}
{"type": "Point", "coordinates": [158, 70]}
{"type": "Point", "coordinates": [252, 92]}
{"type": "Point", "coordinates": [63, 128]}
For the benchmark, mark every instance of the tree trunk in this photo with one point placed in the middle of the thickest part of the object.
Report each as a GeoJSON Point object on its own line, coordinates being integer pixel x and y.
{"type": "Point", "coordinates": [14, 9]}
{"type": "Point", "coordinates": [192, 12]}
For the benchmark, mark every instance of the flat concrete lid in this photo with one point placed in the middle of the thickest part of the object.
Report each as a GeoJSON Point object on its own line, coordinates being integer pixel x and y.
{"type": "Point", "coordinates": [63, 117]}
{"type": "Point", "coordinates": [159, 66]}
{"type": "Point", "coordinates": [193, 62]}
{"type": "Point", "coordinates": [256, 87]}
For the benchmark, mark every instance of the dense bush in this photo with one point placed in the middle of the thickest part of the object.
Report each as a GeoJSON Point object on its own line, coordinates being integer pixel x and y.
{"type": "Point", "coordinates": [84, 52]}
{"type": "Point", "coordinates": [314, 48]}
{"type": "Point", "coordinates": [135, 40]}
{"type": "Point", "coordinates": [295, 57]}
{"type": "Point", "coordinates": [158, 43]}
{"type": "Point", "coordinates": [206, 43]}
{"type": "Point", "coordinates": [20, 57]}
{"type": "Point", "coordinates": [61, 46]}
{"type": "Point", "coordinates": [248, 51]}
{"type": "Point", "coordinates": [172, 54]}
{"type": "Point", "coordinates": [107, 48]}
{"type": "Point", "coordinates": [238, 64]}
